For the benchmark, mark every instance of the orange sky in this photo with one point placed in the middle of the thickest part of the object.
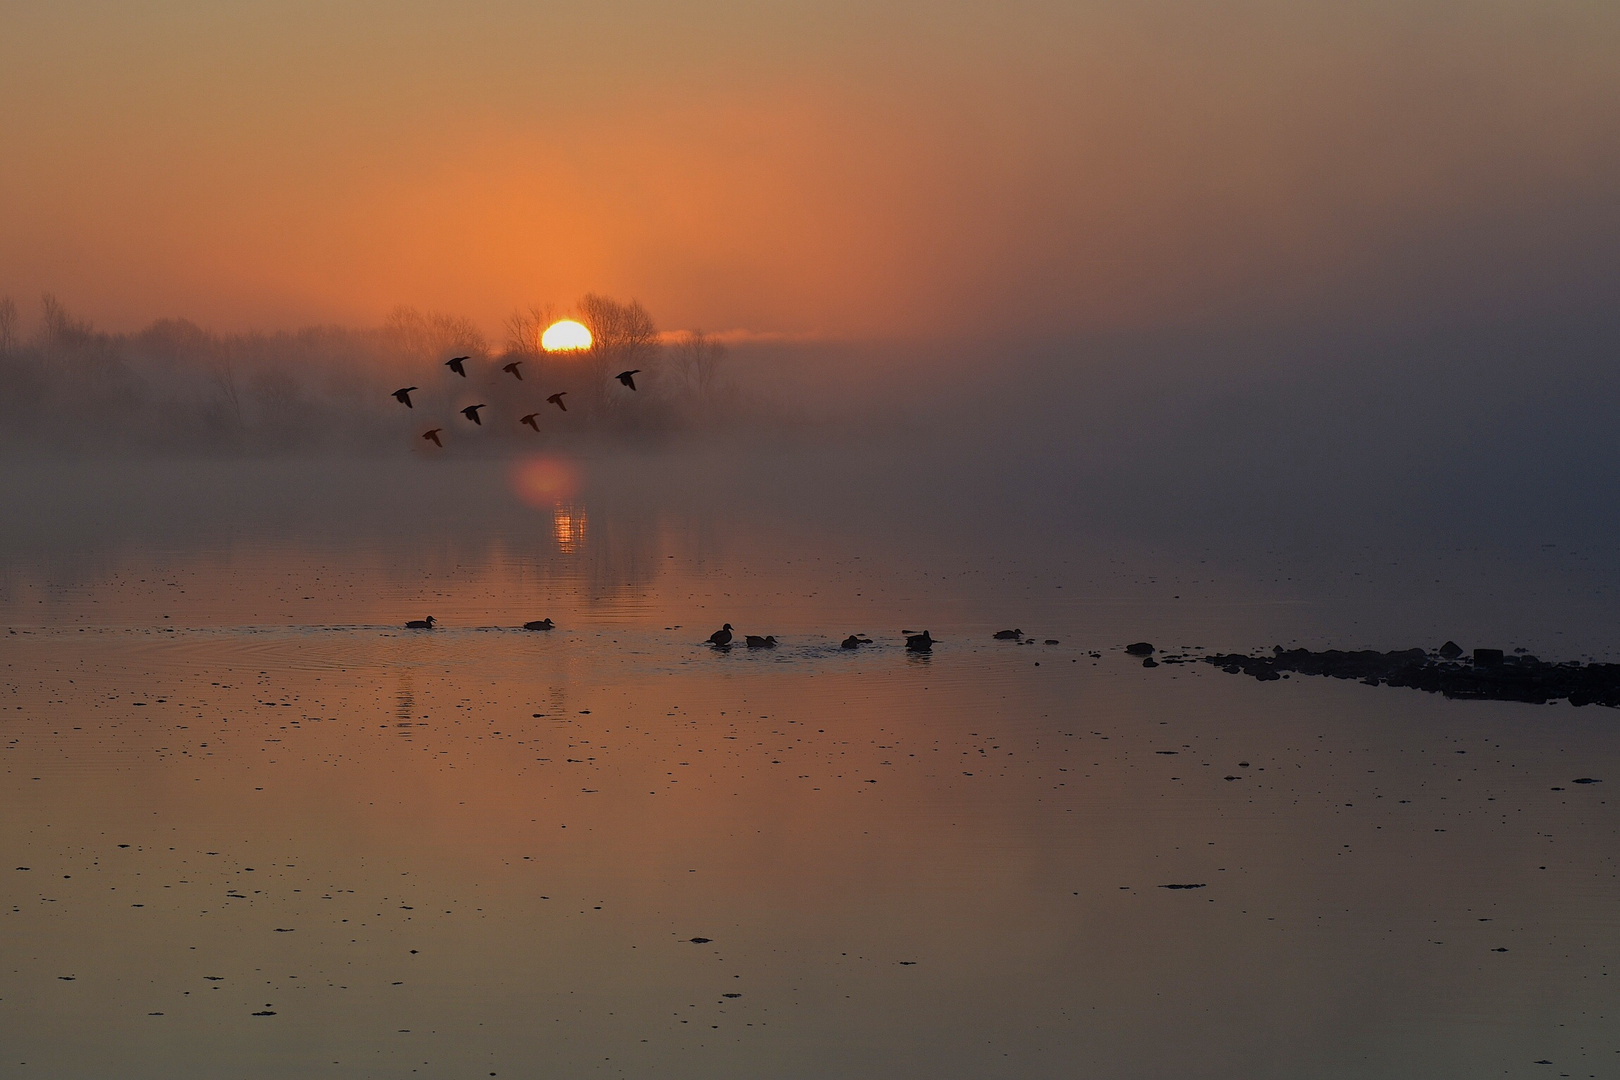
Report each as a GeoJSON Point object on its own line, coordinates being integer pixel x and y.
{"type": "Point", "coordinates": [829, 168]}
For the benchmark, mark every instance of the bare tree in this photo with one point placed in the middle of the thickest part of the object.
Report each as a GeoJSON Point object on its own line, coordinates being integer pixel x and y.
{"type": "Point", "coordinates": [434, 335]}
{"type": "Point", "coordinates": [622, 336]}
{"type": "Point", "coordinates": [523, 328]}
{"type": "Point", "coordinates": [698, 357]}
{"type": "Point", "coordinates": [8, 325]}
{"type": "Point", "coordinates": [57, 327]}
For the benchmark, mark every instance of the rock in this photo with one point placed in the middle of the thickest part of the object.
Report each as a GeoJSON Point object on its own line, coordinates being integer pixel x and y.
{"type": "Point", "coordinates": [1451, 650]}
{"type": "Point", "coordinates": [1139, 648]}
{"type": "Point", "coordinates": [1150, 662]}
{"type": "Point", "coordinates": [1492, 676]}
{"type": "Point", "coordinates": [1008, 635]}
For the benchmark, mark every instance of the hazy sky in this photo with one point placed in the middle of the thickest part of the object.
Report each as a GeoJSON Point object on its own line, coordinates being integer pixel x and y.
{"type": "Point", "coordinates": [833, 168]}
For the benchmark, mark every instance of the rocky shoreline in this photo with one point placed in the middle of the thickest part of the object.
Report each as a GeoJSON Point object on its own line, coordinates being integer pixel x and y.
{"type": "Point", "coordinates": [1487, 675]}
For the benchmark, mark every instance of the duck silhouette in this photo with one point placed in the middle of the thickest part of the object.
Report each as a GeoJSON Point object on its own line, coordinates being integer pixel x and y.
{"type": "Point", "coordinates": [754, 641]}
{"type": "Point", "coordinates": [539, 624]}
{"type": "Point", "coordinates": [513, 368]}
{"type": "Point", "coordinates": [919, 642]}
{"type": "Point", "coordinates": [530, 420]}
{"type": "Point", "coordinates": [420, 624]}
{"type": "Point", "coordinates": [855, 641]}
{"type": "Point", "coordinates": [403, 396]}
{"type": "Point", "coordinates": [557, 400]}
{"type": "Point", "coordinates": [454, 364]}
{"type": "Point", "coordinates": [721, 637]}
{"type": "Point", "coordinates": [1009, 635]}
{"type": "Point", "coordinates": [471, 413]}
{"type": "Point", "coordinates": [433, 437]}
{"type": "Point", "coordinates": [626, 377]}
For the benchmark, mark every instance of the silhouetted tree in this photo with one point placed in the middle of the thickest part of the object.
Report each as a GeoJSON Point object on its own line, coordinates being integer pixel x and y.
{"type": "Point", "coordinates": [523, 329]}
{"type": "Point", "coordinates": [623, 336]}
{"type": "Point", "coordinates": [8, 325]}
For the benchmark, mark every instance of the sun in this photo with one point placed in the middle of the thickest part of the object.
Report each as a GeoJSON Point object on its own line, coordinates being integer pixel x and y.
{"type": "Point", "coordinates": [565, 336]}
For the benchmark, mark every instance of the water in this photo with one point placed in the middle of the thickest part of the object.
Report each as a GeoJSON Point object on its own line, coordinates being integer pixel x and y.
{"type": "Point", "coordinates": [267, 832]}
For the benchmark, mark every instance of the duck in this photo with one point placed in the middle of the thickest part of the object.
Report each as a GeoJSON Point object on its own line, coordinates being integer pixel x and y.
{"type": "Point", "coordinates": [454, 364]}
{"type": "Point", "coordinates": [420, 624]}
{"type": "Point", "coordinates": [754, 641]}
{"type": "Point", "coordinates": [529, 419]}
{"type": "Point", "coordinates": [721, 637]}
{"type": "Point", "coordinates": [1009, 635]}
{"type": "Point", "coordinates": [919, 642]}
{"type": "Point", "coordinates": [628, 377]}
{"type": "Point", "coordinates": [557, 400]}
{"type": "Point", "coordinates": [855, 641]}
{"type": "Point", "coordinates": [539, 624]}
{"type": "Point", "coordinates": [512, 370]}
{"type": "Point", "coordinates": [433, 437]}
{"type": "Point", "coordinates": [403, 396]}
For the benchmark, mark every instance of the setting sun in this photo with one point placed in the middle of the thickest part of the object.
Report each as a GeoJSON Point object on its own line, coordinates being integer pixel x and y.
{"type": "Point", "coordinates": [565, 336]}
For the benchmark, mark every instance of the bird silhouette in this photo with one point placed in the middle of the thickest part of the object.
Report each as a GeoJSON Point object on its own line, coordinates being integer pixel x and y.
{"type": "Point", "coordinates": [403, 396]}
{"type": "Point", "coordinates": [513, 368]}
{"type": "Point", "coordinates": [530, 420]}
{"type": "Point", "coordinates": [625, 377]}
{"type": "Point", "coordinates": [557, 400]}
{"type": "Point", "coordinates": [754, 641]}
{"type": "Point", "coordinates": [722, 636]}
{"type": "Point", "coordinates": [420, 624]}
{"type": "Point", "coordinates": [471, 413]}
{"type": "Point", "coordinates": [919, 642]}
{"type": "Point", "coordinates": [454, 364]}
{"type": "Point", "coordinates": [855, 641]}
{"type": "Point", "coordinates": [539, 624]}
{"type": "Point", "coordinates": [433, 437]}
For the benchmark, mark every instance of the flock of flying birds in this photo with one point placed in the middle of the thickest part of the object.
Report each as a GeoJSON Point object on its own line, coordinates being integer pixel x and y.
{"type": "Point", "coordinates": [721, 638]}
{"type": "Point", "coordinates": [456, 364]}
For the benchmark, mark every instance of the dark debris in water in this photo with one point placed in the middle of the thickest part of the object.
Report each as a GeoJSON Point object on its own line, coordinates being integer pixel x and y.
{"type": "Point", "coordinates": [1488, 676]}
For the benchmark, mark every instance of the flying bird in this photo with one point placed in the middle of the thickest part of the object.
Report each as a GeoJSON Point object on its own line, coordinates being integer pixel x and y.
{"type": "Point", "coordinates": [754, 641]}
{"type": "Point", "coordinates": [920, 642]}
{"type": "Point", "coordinates": [454, 364]}
{"type": "Point", "coordinates": [625, 377]}
{"type": "Point", "coordinates": [420, 624]}
{"type": "Point", "coordinates": [530, 420]}
{"type": "Point", "coordinates": [539, 624]}
{"type": "Point", "coordinates": [471, 413]}
{"type": "Point", "coordinates": [403, 396]}
{"type": "Point", "coordinates": [557, 400]}
{"type": "Point", "coordinates": [433, 437]}
{"type": "Point", "coordinates": [721, 637]}
{"type": "Point", "coordinates": [513, 368]}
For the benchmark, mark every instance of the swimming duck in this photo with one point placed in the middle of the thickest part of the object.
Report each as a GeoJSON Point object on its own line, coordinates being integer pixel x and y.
{"type": "Point", "coordinates": [539, 624]}
{"type": "Point", "coordinates": [855, 641]}
{"type": "Point", "coordinates": [756, 642]}
{"type": "Point", "coordinates": [919, 642]}
{"type": "Point", "coordinates": [420, 624]}
{"type": "Point", "coordinates": [722, 636]}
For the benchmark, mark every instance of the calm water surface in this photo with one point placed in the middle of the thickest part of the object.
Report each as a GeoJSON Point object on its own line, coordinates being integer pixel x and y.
{"type": "Point", "coordinates": [252, 828]}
